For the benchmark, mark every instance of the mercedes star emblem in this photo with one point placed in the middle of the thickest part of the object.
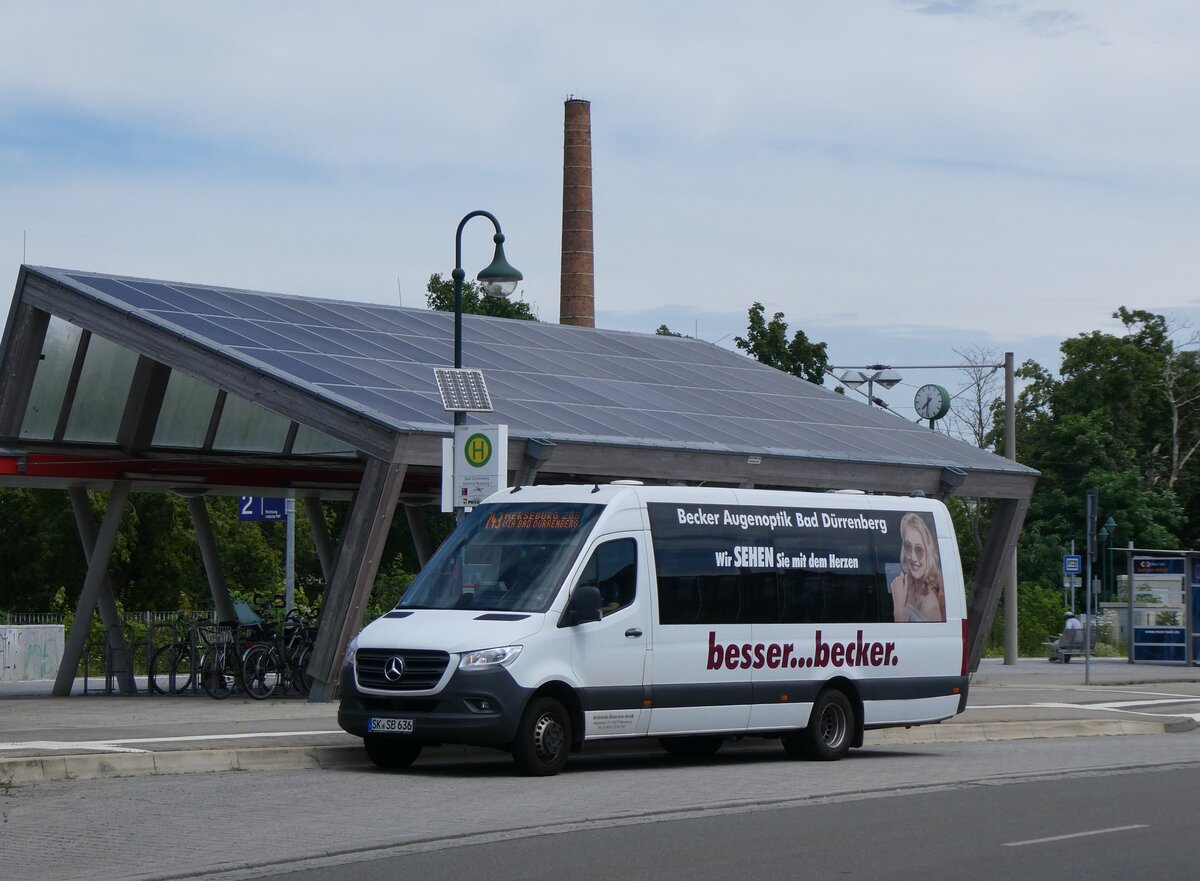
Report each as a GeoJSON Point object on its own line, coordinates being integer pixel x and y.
{"type": "Point", "coordinates": [393, 669]}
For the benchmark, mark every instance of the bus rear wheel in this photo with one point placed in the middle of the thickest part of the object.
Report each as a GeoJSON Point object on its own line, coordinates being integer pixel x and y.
{"type": "Point", "coordinates": [829, 731]}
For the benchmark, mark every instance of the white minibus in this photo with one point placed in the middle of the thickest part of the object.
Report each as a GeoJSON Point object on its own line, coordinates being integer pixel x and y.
{"type": "Point", "coordinates": [555, 616]}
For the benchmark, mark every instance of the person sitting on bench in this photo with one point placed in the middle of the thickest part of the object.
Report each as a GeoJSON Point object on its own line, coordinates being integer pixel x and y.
{"type": "Point", "coordinates": [1071, 639]}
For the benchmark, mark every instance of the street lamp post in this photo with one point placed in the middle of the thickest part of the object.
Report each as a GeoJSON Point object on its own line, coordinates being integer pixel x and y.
{"type": "Point", "coordinates": [499, 279]}
{"type": "Point", "coordinates": [1108, 532]}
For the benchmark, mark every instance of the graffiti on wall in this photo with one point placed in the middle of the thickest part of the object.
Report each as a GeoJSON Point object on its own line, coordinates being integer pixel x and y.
{"type": "Point", "coordinates": [30, 652]}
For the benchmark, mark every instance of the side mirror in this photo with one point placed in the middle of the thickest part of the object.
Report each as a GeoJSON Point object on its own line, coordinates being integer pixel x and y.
{"type": "Point", "coordinates": [583, 606]}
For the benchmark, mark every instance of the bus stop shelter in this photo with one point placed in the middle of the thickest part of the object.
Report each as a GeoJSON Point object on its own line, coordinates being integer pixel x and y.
{"type": "Point", "coordinates": [123, 385]}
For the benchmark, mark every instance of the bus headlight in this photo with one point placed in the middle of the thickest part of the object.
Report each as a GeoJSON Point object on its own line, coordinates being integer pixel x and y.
{"type": "Point", "coordinates": [483, 658]}
{"type": "Point", "coordinates": [350, 649]}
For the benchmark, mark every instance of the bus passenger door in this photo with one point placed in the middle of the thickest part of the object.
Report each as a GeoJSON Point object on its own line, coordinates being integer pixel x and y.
{"type": "Point", "coordinates": [701, 672]}
{"type": "Point", "coordinates": [609, 656]}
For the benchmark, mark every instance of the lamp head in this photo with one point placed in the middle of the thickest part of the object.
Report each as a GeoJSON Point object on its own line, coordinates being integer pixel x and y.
{"type": "Point", "coordinates": [499, 279]}
{"type": "Point", "coordinates": [887, 377]}
{"type": "Point", "coordinates": [852, 378]}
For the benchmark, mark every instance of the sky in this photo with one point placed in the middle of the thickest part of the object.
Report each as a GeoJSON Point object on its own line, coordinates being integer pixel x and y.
{"type": "Point", "coordinates": [905, 180]}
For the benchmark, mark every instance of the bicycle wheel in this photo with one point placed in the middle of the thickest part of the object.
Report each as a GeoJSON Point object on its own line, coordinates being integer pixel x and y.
{"type": "Point", "coordinates": [217, 673]}
{"type": "Point", "coordinates": [171, 669]}
{"type": "Point", "coordinates": [260, 671]}
{"type": "Point", "coordinates": [300, 670]}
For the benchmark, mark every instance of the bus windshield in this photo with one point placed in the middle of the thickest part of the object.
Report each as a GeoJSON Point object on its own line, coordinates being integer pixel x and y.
{"type": "Point", "coordinates": [504, 558]}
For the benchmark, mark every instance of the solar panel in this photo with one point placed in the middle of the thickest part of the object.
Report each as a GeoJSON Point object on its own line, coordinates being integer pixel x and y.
{"type": "Point", "coordinates": [463, 390]}
{"type": "Point", "coordinates": [547, 380]}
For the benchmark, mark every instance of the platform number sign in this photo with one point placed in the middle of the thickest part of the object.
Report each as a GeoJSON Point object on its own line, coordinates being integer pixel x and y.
{"type": "Point", "coordinates": [261, 508]}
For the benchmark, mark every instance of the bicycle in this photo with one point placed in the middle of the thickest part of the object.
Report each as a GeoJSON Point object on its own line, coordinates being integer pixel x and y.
{"type": "Point", "coordinates": [280, 663]}
{"type": "Point", "coordinates": [172, 667]}
{"type": "Point", "coordinates": [219, 665]}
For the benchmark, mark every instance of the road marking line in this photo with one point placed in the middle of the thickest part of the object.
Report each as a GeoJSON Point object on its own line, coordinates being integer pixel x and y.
{"type": "Point", "coordinates": [1075, 835]}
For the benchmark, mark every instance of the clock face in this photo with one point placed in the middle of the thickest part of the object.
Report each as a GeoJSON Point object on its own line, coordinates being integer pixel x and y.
{"type": "Point", "coordinates": [931, 402]}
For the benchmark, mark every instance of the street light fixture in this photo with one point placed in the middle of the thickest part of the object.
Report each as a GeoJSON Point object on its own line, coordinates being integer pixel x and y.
{"type": "Point", "coordinates": [879, 373]}
{"type": "Point", "coordinates": [499, 279]}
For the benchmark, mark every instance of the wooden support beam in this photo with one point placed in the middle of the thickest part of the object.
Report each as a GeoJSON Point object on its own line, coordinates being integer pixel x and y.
{"type": "Point", "coordinates": [357, 563]}
{"type": "Point", "coordinates": [23, 340]}
{"type": "Point", "coordinates": [143, 405]}
{"type": "Point", "coordinates": [999, 546]}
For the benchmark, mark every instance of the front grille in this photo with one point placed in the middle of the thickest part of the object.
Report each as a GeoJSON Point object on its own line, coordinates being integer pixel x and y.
{"type": "Point", "coordinates": [422, 669]}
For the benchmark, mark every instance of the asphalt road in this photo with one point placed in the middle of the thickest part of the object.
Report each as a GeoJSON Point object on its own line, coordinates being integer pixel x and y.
{"type": "Point", "coordinates": [1132, 825]}
{"type": "Point", "coordinates": [941, 809]}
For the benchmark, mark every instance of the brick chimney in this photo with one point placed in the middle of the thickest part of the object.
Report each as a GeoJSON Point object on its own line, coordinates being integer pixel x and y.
{"type": "Point", "coordinates": [577, 296]}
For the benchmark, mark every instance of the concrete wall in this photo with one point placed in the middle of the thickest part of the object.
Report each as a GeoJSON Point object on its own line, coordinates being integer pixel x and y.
{"type": "Point", "coordinates": [30, 651]}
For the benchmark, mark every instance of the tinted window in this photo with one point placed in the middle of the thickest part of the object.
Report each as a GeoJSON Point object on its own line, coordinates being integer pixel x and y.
{"type": "Point", "coordinates": [612, 569]}
{"type": "Point", "coordinates": [740, 564]}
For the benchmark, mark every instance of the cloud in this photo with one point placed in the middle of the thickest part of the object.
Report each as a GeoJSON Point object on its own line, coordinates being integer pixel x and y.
{"type": "Point", "coordinates": [938, 169]}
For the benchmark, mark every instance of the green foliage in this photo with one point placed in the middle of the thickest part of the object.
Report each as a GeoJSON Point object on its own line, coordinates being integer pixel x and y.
{"type": "Point", "coordinates": [1039, 618]}
{"type": "Point", "coordinates": [1120, 418]}
{"type": "Point", "coordinates": [768, 343]}
{"type": "Point", "coordinates": [440, 296]}
{"type": "Point", "coordinates": [390, 585]}
{"type": "Point", "coordinates": [663, 330]}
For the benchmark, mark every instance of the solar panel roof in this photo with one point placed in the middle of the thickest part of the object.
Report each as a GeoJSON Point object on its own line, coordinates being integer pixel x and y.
{"type": "Point", "coordinates": [548, 381]}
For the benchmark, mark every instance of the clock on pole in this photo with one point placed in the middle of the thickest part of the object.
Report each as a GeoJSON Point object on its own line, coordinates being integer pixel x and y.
{"type": "Point", "coordinates": [931, 402]}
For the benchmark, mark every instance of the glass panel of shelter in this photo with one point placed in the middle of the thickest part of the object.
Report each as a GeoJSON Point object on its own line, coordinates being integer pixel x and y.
{"type": "Point", "coordinates": [249, 427]}
{"type": "Point", "coordinates": [185, 414]}
{"type": "Point", "coordinates": [50, 379]}
{"type": "Point", "coordinates": [102, 392]}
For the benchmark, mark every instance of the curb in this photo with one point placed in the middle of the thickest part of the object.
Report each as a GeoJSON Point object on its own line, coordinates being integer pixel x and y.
{"type": "Point", "coordinates": [89, 766]}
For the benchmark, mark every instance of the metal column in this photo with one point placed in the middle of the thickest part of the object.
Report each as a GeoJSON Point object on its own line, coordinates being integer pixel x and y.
{"type": "Point", "coordinates": [86, 524]}
{"type": "Point", "coordinates": [97, 572]}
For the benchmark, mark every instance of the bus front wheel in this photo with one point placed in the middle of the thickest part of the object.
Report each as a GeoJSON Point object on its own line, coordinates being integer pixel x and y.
{"type": "Point", "coordinates": [543, 741]}
{"type": "Point", "coordinates": [389, 752]}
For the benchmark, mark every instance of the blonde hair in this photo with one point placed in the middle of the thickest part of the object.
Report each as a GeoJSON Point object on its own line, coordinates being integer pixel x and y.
{"type": "Point", "coordinates": [933, 566]}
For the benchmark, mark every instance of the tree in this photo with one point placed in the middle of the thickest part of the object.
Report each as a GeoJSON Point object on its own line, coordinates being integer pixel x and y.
{"type": "Point", "coordinates": [767, 342]}
{"type": "Point", "coordinates": [663, 330]}
{"type": "Point", "coordinates": [1124, 417]}
{"type": "Point", "coordinates": [440, 296]}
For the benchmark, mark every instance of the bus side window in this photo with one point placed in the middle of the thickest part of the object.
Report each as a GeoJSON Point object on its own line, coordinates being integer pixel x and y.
{"type": "Point", "coordinates": [612, 569]}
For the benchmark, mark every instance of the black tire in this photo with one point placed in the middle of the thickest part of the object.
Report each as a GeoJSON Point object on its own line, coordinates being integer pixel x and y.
{"type": "Point", "coordinates": [830, 730]}
{"type": "Point", "coordinates": [1066, 659]}
{"type": "Point", "coordinates": [692, 748]}
{"type": "Point", "coordinates": [390, 752]}
{"type": "Point", "coordinates": [171, 670]}
{"type": "Point", "coordinates": [543, 741]}
{"type": "Point", "coordinates": [217, 676]}
{"type": "Point", "coordinates": [260, 671]}
{"type": "Point", "coordinates": [300, 679]}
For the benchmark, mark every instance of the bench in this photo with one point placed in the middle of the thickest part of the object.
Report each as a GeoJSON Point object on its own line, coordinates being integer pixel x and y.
{"type": "Point", "coordinates": [1070, 643]}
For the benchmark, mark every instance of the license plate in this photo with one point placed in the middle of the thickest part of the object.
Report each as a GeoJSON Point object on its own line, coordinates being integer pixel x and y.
{"type": "Point", "coordinates": [398, 726]}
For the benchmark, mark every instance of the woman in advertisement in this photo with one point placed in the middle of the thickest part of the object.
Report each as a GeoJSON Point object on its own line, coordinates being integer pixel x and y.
{"type": "Point", "coordinates": [918, 593]}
